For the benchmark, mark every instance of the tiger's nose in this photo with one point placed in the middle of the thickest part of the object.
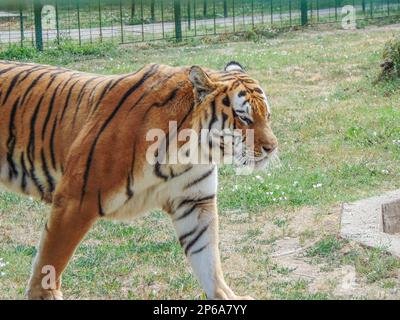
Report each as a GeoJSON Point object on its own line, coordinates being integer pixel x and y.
{"type": "Point", "coordinates": [270, 147]}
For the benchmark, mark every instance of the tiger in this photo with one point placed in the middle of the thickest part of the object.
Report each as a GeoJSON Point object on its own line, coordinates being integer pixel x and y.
{"type": "Point", "coordinates": [79, 142]}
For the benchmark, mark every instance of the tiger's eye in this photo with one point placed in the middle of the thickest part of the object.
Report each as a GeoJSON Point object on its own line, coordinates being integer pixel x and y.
{"type": "Point", "coordinates": [242, 93]}
{"type": "Point", "coordinates": [226, 101]}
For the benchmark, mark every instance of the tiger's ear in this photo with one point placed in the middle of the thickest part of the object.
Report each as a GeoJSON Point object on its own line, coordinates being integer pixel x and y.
{"type": "Point", "coordinates": [234, 66]}
{"type": "Point", "coordinates": [202, 84]}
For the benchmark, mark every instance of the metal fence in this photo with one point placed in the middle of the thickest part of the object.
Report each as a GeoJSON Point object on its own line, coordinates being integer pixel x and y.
{"type": "Point", "coordinates": [44, 23]}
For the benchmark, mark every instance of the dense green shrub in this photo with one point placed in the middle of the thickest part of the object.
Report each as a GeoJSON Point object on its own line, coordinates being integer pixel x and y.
{"type": "Point", "coordinates": [391, 59]}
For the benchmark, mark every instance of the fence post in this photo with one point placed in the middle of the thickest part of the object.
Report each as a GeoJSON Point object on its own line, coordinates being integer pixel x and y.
{"type": "Point", "coordinates": [178, 25]}
{"type": "Point", "coordinates": [225, 8]}
{"type": "Point", "coordinates": [304, 12]}
{"type": "Point", "coordinates": [21, 22]}
{"type": "Point", "coordinates": [37, 9]}
{"type": "Point", "coordinates": [152, 11]}
{"type": "Point", "coordinates": [57, 23]}
{"type": "Point", "coordinates": [189, 14]}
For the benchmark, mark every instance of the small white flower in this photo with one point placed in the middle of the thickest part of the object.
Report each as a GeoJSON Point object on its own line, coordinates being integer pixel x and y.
{"type": "Point", "coordinates": [295, 184]}
{"type": "Point", "coordinates": [260, 178]}
{"type": "Point", "coordinates": [2, 274]}
{"type": "Point", "coordinates": [385, 171]}
{"type": "Point", "coordinates": [318, 185]}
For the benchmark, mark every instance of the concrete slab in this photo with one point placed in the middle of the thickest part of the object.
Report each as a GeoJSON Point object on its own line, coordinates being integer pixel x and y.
{"type": "Point", "coordinates": [362, 221]}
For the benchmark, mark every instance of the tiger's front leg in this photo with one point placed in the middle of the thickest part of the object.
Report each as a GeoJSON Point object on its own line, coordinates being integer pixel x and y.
{"type": "Point", "coordinates": [196, 224]}
{"type": "Point", "coordinates": [67, 225]}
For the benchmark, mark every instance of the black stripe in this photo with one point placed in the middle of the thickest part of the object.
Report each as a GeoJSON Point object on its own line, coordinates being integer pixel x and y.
{"type": "Point", "coordinates": [226, 101]}
{"type": "Point", "coordinates": [66, 104]}
{"type": "Point", "coordinates": [187, 212]}
{"type": "Point", "coordinates": [129, 191]}
{"type": "Point", "coordinates": [201, 178]}
{"type": "Point", "coordinates": [11, 86]}
{"type": "Point", "coordinates": [30, 71]}
{"type": "Point", "coordinates": [199, 250]}
{"type": "Point", "coordinates": [24, 172]}
{"type": "Point", "coordinates": [213, 115]}
{"type": "Point", "coordinates": [52, 153]}
{"type": "Point", "coordinates": [31, 148]}
{"type": "Point", "coordinates": [80, 98]}
{"type": "Point", "coordinates": [187, 234]}
{"type": "Point", "coordinates": [101, 211]}
{"type": "Point", "coordinates": [170, 97]}
{"type": "Point", "coordinates": [125, 77]}
{"type": "Point", "coordinates": [191, 243]}
{"type": "Point", "coordinates": [49, 111]}
{"type": "Point", "coordinates": [191, 200]}
{"type": "Point", "coordinates": [8, 69]}
{"type": "Point", "coordinates": [127, 94]}
{"type": "Point", "coordinates": [11, 141]}
{"type": "Point", "coordinates": [31, 86]}
{"type": "Point", "coordinates": [103, 93]}
{"type": "Point", "coordinates": [45, 168]}
{"type": "Point", "coordinates": [159, 173]}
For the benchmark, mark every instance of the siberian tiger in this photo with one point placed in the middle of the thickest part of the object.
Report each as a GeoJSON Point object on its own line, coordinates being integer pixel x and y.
{"type": "Point", "coordinates": [79, 141]}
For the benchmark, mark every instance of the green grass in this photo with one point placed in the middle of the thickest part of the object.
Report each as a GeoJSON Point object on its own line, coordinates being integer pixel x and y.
{"type": "Point", "coordinates": [338, 131]}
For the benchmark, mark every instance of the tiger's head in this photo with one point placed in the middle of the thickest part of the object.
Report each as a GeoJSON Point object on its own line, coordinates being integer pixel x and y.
{"type": "Point", "coordinates": [234, 102]}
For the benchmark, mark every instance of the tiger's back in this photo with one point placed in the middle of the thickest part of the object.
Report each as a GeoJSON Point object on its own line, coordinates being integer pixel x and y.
{"type": "Point", "coordinates": [42, 110]}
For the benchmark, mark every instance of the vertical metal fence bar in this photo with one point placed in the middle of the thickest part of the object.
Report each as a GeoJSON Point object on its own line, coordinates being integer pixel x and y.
{"type": "Point", "coordinates": [272, 12]}
{"type": "Point", "coordinates": [21, 23]}
{"type": "Point", "coordinates": [214, 17]}
{"type": "Point", "coordinates": [252, 13]}
{"type": "Point", "coordinates": [100, 23]}
{"type": "Point", "coordinates": [162, 19]}
{"type": "Point", "coordinates": [178, 25]}
{"type": "Point", "coordinates": [262, 11]}
{"type": "Point", "coordinates": [304, 12]}
{"type": "Point", "coordinates": [225, 8]}
{"type": "Point", "coordinates": [195, 18]}
{"type": "Point", "coordinates": [290, 12]}
{"type": "Point", "coordinates": [79, 22]}
{"type": "Point", "coordinates": [371, 8]}
{"type": "Point", "coordinates": [243, 17]}
{"type": "Point", "coordinates": [188, 14]}
{"type": "Point", "coordinates": [336, 12]}
{"type": "Point", "coordinates": [57, 23]}
{"type": "Point", "coordinates": [37, 8]}
{"type": "Point", "coordinates": [142, 18]}
{"type": "Point", "coordinates": [121, 21]}
{"type": "Point", "coordinates": [233, 16]}
{"type": "Point", "coordinates": [152, 11]}
{"type": "Point", "coordinates": [90, 23]}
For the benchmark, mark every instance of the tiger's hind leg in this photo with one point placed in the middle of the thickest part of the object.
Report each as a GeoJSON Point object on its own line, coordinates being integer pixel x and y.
{"type": "Point", "coordinates": [66, 227]}
{"type": "Point", "coordinates": [196, 224]}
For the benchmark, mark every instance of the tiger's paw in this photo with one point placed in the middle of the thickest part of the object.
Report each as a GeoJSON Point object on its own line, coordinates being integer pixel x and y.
{"type": "Point", "coordinates": [222, 294]}
{"type": "Point", "coordinates": [42, 294]}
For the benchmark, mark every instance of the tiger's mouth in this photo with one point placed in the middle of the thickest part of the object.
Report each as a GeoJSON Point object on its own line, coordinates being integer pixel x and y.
{"type": "Point", "coordinates": [263, 162]}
